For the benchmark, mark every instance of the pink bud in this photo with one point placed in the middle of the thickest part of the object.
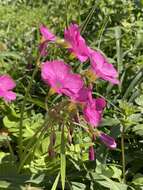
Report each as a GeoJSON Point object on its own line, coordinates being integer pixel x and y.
{"type": "Point", "coordinates": [107, 140]}
{"type": "Point", "coordinates": [91, 153]}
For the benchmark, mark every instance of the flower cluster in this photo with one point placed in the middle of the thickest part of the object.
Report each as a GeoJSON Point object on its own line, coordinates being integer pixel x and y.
{"type": "Point", "coordinates": [62, 80]}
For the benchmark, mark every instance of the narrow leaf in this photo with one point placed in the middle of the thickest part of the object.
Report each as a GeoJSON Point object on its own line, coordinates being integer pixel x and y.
{"type": "Point", "coordinates": [136, 80]}
{"type": "Point", "coordinates": [63, 159]}
{"type": "Point", "coordinates": [56, 182]}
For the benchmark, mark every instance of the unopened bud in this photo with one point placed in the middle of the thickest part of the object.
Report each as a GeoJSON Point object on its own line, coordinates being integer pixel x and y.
{"type": "Point", "coordinates": [107, 140]}
{"type": "Point", "coordinates": [51, 92]}
{"type": "Point", "coordinates": [90, 75]}
{"type": "Point", "coordinates": [62, 43]}
{"type": "Point", "coordinates": [91, 153]}
{"type": "Point", "coordinates": [72, 107]}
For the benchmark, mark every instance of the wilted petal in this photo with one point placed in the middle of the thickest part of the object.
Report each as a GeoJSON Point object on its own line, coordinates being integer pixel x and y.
{"type": "Point", "coordinates": [42, 48]}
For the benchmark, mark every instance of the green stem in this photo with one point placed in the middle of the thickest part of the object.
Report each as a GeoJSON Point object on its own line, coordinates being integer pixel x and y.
{"type": "Point", "coordinates": [79, 8]}
{"type": "Point", "coordinates": [67, 7]}
{"type": "Point", "coordinates": [25, 155]}
{"type": "Point", "coordinates": [123, 154]}
{"type": "Point", "coordinates": [10, 150]}
{"type": "Point", "coordinates": [23, 109]}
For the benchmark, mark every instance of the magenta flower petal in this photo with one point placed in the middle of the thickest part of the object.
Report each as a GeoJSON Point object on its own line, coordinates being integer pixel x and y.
{"type": "Point", "coordinates": [59, 76]}
{"type": "Point", "coordinates": [72, 84]}
{"type": "Point", "coordinates": [91, 115]}
{"type": "Point", "coordinates": [100, 104]}
{"type": "Point", "coordinates": [76, 42]}
{"type": "Point", "coordinates": [9, 96]}
{"type": "Point", "coordinates": [91, 153]}
{"type": "Point", "coordinates": [6, 85]}
{"type": "Point", "coordinates": [102, 68]}
{"type": "Point", "coordinates": [6, 82]}
{"type": "Point", "coordinates": [46, 33]}
{"type": "Point", "coordinates": [107, 140]}
{"type": "Point", "coordinates": [82, 96]}
{"type": "Point", "coordinates": [93, 111]}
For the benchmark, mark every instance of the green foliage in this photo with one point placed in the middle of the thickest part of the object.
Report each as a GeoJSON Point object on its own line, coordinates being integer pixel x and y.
{"type": "Point", "coordinates": [115, 27]}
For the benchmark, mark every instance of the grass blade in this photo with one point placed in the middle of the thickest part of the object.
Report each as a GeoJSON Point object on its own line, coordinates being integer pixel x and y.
{"type": "Point", "coordinates": [118, 49]}
{"type": "Point", "coordinates": [87, 20]}
{"type": "Point", "coordinates": [136, 80]}
{"type": "Point", "coordinates": [63, 159]}
{"type": "Point", "coordinates": [54, 187]}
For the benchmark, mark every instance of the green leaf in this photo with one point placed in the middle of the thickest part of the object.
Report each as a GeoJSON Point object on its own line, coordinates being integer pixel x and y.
{"type": "Point", "coordinates": [117, 172]}
{"type": "Point", "coordinates": [110, 182]}
{"type": "Point", "coordinates": [109, 121]}
{"type": "Point", "coordinates": [136, 80]}
{"type": "Point", "coordinates": [37, 102]}
{"type": "Point", "coordinates": [63, 159]}
{"type": "Point", "coordinates": [138, 179]}
{"type": "Point", "coordinates": [37, 180]}
{"type": "Point", "coordinates": [118, 48]}
{"type": "Point", "coordinates": [78, 186]}
{"type": "Point", "coordinates": [54, 187]}
{"type": "Point", "coordinates": [138, 129]}
{"type": "Point", "coordinates": [139, 100]}
{"type": "Point", "coordinates": [9, 54]}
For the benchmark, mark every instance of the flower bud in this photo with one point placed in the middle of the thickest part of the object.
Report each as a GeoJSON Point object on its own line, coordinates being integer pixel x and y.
{"type": "Point", "coordinates": [90, 75]}
{"type": "Point", "coordinates": [51, 92]}
{"type": "Point", "coordinates": [108, 141]}
{"type": "Point", "coordinates": [91, 153]}
{"type": "Point", "coordinates": [62, 43]}
{"type": "Point", "coordinates": [72, 107]}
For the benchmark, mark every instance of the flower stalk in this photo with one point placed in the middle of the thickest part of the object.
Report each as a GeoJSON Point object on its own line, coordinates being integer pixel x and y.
{"type": "Point", "coordinates": [23, 108]}
{"type": "Point", "coordinates": [123, 154]}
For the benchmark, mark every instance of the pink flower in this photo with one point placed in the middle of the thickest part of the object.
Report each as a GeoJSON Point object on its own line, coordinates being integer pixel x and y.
{"type": "Point", "coordinates": [77, 45]}
{"type": "Point", "coordinates": [93, 111]}
{"type": "Point", "coordinates": [6, 86]}
{"type": "Point", "coordinates": [58, 75]}
{"type": "Point", "coordinates": [47, 36]}
{"type": "Point", "coordinates": [102, 68]}
{"type": "Point", "coordinates": [107, 140]}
